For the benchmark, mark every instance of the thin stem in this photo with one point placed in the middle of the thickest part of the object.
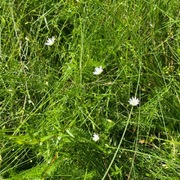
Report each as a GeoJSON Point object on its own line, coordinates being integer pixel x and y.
{"type": "Point", "coordinates": [119, 145]}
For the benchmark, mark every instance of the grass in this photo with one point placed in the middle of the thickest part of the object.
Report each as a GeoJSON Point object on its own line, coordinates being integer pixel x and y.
{"type": "Point", "coordinates": [51, 104]}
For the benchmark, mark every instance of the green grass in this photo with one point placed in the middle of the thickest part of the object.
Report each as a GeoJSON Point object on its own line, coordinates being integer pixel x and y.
{"type": "Point", "coordinates": [51, 104]}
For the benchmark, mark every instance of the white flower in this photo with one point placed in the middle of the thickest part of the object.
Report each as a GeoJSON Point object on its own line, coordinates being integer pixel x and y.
{"type": "Point", "coordinates": [133, 101]}
{"type": "Point", "coordinates": [50, 41]}
{"type": "Point", "coordinates": [98, 70]}
{"type": "Point", "coordinates": [95, 137]}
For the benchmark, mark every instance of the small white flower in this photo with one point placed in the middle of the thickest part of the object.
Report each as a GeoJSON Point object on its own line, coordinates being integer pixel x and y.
{"type": "Point", "coordinates": [50, 41]}
{"type": "Point", "coordinates": [95, 137]}
{"type": "Point", "coordinates": [133, 101]}
{"type": "Point", "coordinates": [98, 70]}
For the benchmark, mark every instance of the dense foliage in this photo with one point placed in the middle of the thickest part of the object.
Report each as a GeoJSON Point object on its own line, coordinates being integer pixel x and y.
{"type": "Point", "coordinates": [51, 103]}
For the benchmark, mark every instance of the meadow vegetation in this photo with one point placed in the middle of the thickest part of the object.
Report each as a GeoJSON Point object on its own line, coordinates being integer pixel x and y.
{"type": "Point", "coordinates": [51, 103]}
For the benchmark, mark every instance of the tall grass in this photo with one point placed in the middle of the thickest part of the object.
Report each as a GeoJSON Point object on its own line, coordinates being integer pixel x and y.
{"type": "Point", "coordinates": [51, 104]}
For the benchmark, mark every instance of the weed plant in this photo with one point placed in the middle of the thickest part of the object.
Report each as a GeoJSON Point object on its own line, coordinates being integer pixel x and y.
{"type": "Point", "coordinates": [51, 103]}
